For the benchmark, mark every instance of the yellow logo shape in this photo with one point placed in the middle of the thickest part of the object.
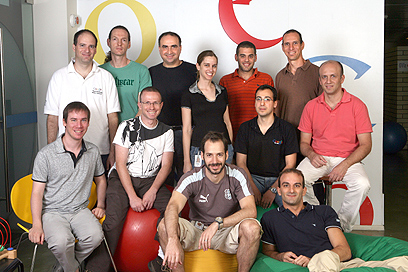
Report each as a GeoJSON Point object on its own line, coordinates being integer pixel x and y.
{"type": "Point", "coordinates": [147, 26]}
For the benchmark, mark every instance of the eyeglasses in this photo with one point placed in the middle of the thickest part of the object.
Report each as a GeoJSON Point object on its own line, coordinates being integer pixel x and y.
{"type": "Point", "coordinates": [155, 103]}
{"type": "Point", "coordinates": [266, 99]}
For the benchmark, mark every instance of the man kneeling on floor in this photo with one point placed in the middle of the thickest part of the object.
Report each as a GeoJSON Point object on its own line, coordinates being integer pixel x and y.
{"type": "Point", "coordinates": [222, 210]}
{"type": "Point", "coordinates": [62, 174]}
{"type": "Point", "coordinates": [309, 235]}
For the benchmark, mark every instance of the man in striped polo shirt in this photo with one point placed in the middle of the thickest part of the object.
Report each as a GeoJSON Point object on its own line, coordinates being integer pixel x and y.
{"type": "Point", "coordinates": [242, 84]}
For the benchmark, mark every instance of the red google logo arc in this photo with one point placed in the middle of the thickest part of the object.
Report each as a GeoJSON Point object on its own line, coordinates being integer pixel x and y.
{"type": "Point", "coordinates": [234, 30]}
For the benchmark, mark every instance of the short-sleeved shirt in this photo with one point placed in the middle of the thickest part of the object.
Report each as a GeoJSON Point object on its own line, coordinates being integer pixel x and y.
{"type": "Point", "coordinates": [208, 200]}
{"type": "Point", "coordinates": [68, 180]}
{"type": "Point", "coordinates": [172, 82]}
{"type": "Point", "coordinates": [97, 91]}
{"type": "Point", "coordinates": [241, 95]}
{"type": "Point", "coordinates": [266, 152]}
{"type": "Point", "coordinates": [130, 80]}
{"type": "Point", "coordinates": [295, 90]}
{"type": "Point", "coordinates": [146, 146]}
{"type": "Point", "coordinates": [305, 234]}
{"type": "Point", "coordinates": [206, 115]}
{"type": "Point", "coordinates": [334, 132]}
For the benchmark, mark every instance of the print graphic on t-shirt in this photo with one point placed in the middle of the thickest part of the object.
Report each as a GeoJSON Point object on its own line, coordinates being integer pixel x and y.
{"type": "Point", "coordinates": [227, 194]}
{"type": "Point", "coordinates": [203, 198]}
{"type": "Point", "coordinates": [138, 148]}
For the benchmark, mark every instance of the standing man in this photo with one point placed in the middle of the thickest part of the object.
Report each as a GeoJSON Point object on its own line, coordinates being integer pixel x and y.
{"type": "Point", "coordinates": [144, 154]}
{"type": "Point", "coordinates": [241, 85]}
{"type": "Point", "coordinates": [130, 77]}
{"type": "Point", "coordinates": [265, 146]}
{"type": "Point", "coordinates": [340, 127]}
{"type": "Point", "coordinates": [82, 80]}
{"type": "Point", "coordinates": [298, 82]}
{"type": "Point", "coordinates": [62, 174]}
{"type": "Point", "coordinates": [310, 236]}
{"type": "Point", "coordinates": [172, 77]}
{"type": "Point", "coordinates": [222, 210]}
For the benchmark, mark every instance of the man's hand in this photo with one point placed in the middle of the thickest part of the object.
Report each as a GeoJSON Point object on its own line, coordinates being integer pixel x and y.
{"type": "Point", "coordinates": [317, 160]}
{"type": "Point", "coordinates": [98, 212]}
{"type": "Point", "coordinates": [267, 199]}
{"type": "Point", "coordinates": [136, 204]}
{"type": "Point", "coordinates": [207, 235]}
{"type": "Point", "coordinates": [302, 261]}
{"type": "Point", "coordinates": [338, 172]}
{"type": "Point", "coordinates": [291, 257]}
{"type": "Point", "coordinates": [110, 161]}
{"type": "Point", "coordinates": [257, 194]}
{"type": "Point", "coordinates": [287, 257]}
{"type": "Point", "coordinates": [36, 235]}
{"type": "Point", "coordinates": [149, 198]}
{"type": "Point", "coordinates": [187, 167]}
{"type": "Point", "coordinates": [174, 254]}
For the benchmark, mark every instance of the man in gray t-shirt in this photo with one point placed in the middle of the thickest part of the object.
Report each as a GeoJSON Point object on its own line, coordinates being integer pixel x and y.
{"type": "Point", "coordinates": [222, 210]}
{"type": "Point", "coordinates": [62, 174]}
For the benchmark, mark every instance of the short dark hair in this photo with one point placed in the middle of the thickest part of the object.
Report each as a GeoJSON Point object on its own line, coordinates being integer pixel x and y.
{"type": "Point", "coordinates": [169, 33]}
{"type": "Point", "coordinates": [150, 90]}
{"type": "Point", "coordinates": [82, 31]}
{"type": "Point", "coordinates": [214, 136]}
{"type": "Point", "coordinates": [245, 44]}
{"type": "Point", "coordinates": [293, 31]}
{"type": "Point", "coordinates": [75, 106]}
{"type": "Point", "coordinates": [266, 86]}
{"type": "Point", "coordinates": [294, 171]}
{"type": "Point", "coordinates": [333, 61]}
{"type": "Point", "coordinates": [108, 57]}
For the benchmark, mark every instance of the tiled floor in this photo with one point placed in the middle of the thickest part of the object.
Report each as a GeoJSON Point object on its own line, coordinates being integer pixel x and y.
{"type": "Point", "coordinates": [395, 206]}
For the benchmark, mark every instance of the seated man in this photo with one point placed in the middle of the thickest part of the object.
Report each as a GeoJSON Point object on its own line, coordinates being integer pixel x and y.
{"type": "Point", "coordinates": [265, 146]}
{"type": "Point", "coordinates": [62, 174]}
{"type": "Point", "coordinates": [308, 235]}
{"type": "Point", "coordinates": [340, 127]}
{"type": "Point", "coordinates": [222, 210]}
{"type": "Point", "coordinates": [144, 156]}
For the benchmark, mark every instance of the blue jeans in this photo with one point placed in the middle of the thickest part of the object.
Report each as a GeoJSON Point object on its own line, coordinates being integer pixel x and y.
{"type": "Point", "coordinates": [194, 150]}
{"type": "Point", "coordinates": [264, 183]}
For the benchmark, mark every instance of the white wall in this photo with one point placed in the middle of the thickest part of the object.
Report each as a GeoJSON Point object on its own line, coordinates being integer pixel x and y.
{"type": "Point", "coordinates": [329, 27]}
{"type": "Point", "coordinates": [51, 50]}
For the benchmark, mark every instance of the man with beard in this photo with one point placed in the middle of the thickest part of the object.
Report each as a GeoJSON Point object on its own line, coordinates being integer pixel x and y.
{"type": "Point", "coordinates": [242, 84]}
{"type": "Point", "coordinates": [222, 211]}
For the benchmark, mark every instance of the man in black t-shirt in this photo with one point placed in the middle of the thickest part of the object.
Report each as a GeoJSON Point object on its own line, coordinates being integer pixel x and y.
{"type": "Point", "coordinates": [265, 145]}
{"type": "Point", "coordinates": [172, 77]}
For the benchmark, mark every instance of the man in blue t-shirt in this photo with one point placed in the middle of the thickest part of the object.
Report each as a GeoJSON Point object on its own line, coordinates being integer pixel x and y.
{"type": "Point", "coordinates": [310, 236]}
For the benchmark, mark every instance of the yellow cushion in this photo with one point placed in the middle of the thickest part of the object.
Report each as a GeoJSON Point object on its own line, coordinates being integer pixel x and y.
{"type": "Point", "coordinates": [210, 260]}
{"type": "Point", "coordinates": [21, 195]}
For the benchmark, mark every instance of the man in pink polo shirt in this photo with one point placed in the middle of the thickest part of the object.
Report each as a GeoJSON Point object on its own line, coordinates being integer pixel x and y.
{"type": "Point", "coordinates": [340, 127]}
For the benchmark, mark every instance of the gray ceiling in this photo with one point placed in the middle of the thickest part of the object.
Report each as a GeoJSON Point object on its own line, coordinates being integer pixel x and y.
{"type": "Point", "coordinates": [396, 23]}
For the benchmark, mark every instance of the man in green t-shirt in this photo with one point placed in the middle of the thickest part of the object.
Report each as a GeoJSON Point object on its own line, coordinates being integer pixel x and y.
{"type": "Point", "coordinates": [130, 77]}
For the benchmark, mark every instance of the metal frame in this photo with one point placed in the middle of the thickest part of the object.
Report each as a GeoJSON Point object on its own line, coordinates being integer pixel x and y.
{"type": "Point", "coordinates": [4, 124]}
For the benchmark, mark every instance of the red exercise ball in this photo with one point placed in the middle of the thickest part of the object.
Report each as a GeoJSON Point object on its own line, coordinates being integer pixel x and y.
{"type": "Point", "coordinates": [136, 246]}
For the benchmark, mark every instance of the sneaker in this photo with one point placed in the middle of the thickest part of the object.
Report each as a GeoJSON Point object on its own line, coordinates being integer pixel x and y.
{"type": "Point", "coordinates": [156, 265]}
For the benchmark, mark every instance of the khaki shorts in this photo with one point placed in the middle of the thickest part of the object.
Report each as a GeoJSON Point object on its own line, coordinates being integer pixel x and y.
{"type": "Point", "coordinates": [224, 240]}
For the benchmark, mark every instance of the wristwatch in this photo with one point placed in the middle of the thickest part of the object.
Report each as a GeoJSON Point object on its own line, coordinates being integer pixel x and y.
{"type": "Point", "coordinates": [220, 222]}
{"type": "Point", "coordinates": [274, 190]}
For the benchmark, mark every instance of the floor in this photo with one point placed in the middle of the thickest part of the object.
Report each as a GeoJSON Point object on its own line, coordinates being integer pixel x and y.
{"type": "Point", "coordinates": [395, 204]}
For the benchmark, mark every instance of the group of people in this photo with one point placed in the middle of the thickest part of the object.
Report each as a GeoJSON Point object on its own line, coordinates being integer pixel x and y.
{"type": "Point", "coordinates": [171, 124]}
